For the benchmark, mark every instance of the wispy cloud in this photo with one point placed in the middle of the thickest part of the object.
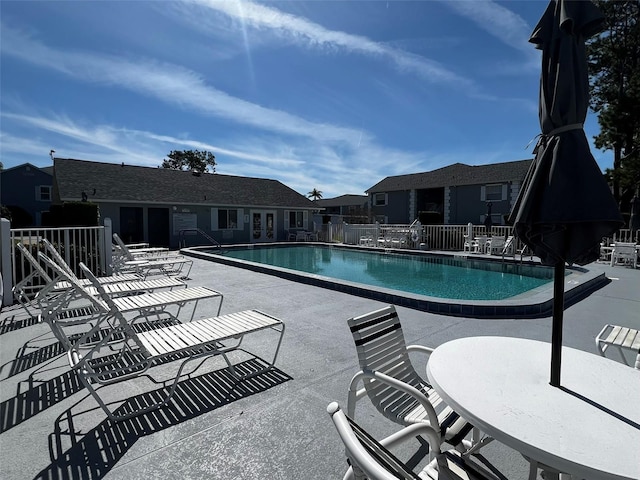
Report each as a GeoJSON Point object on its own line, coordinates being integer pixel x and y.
{"type": "Point", "coordinates": [300, 163]}
{"type": "Point", "coordinates": [308, 34]}
{"type": "Point", "coordinates": [169, 83]}
{"type": "Point", "coordinates": [500, 22]}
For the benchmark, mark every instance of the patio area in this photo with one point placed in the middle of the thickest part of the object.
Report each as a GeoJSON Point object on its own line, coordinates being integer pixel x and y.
{"type": "Point", "coordinates": [272, 426]}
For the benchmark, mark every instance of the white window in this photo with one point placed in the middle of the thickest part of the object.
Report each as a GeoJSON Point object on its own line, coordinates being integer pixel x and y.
{"type": "Point", "coordinates": [493, 193]}
{"type": "Point", "coordinates": [43, 193]}
{"type": "Point", "coordinates": [226, 219]}
{"type": "Point", "coordinates": [296, 219]}
{"type": "Point", "coordinates": [379, 199]}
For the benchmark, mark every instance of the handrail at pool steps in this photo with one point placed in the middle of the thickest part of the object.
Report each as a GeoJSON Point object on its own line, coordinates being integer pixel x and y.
{"type": "Point", "coordinates": [182, 242]}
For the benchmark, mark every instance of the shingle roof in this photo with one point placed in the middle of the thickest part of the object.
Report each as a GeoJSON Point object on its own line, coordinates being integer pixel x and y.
{"type": "Point", "coordinates": [127, 183]}
{"type": "Point", "coordinates": [343, 200]}
{"type": "Point", "coordinates": [456, 174]}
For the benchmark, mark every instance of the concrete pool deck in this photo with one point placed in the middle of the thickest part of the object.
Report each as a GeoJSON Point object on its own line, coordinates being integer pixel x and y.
{"type": "Point", "coordinates": [271, 427]}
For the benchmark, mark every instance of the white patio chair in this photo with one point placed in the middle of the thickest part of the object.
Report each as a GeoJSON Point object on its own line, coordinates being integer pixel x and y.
{"type": "Point", "coordinates": [393, 385]}
{"type": "Point", "coordinates": [621, 338]}
{"type": "Point", "coordinates": [495, 244]}
{"type": "Point", "coordinates": [370, 459]}
{"type": "Point", "coordinates": [468, 239]}
{"type": "Point", "coordinates": [626, 253]}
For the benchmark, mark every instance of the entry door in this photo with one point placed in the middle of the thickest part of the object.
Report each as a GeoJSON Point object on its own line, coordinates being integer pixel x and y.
{"type": "Point", "coordinates": [131, 224]}
{"type": "Point", "coordinates": [159, 227]}
{"type": "Point", "coordinates": [263, 226]}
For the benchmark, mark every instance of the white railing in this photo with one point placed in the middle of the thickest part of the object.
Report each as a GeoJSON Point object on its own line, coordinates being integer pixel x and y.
{"type": "Point", "coordinates": [431, 237]}
{"type": "Point", "coordinates": [436, 237]}
{"type": "Point", "coordinates": [75, 245]}
{"type": "Point", "coordinates": [624, 235]}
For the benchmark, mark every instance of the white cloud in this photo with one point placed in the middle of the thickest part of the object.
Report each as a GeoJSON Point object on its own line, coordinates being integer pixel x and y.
{"type": "Point", "coordinates": [307, 34]}
{"type": "Point", "coordinates": [500, 22]}
{"type": "Point", "coordinates": [171, 84]}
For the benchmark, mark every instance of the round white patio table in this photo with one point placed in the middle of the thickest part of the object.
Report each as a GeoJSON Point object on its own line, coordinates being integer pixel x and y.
{"type": "Point", "coordinates": [589, 427]}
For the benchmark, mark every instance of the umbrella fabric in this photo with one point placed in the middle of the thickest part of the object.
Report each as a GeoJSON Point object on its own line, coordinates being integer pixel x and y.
{"type": "Point", "coordinates": [565, 206]}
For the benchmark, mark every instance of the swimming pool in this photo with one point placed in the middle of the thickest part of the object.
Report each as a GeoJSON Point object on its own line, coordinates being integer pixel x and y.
{"type": "Point", "coordinates": [463, 286]}
{"type": "Point", "coordinates": [435, 276]}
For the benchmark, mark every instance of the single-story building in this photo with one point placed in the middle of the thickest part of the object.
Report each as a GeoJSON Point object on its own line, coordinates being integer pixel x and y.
{"type": "Point", "coordinates": [456, 194]}
{"type": "Point", "coordinates": [155, 204]}
{"type": "Point", "coordinates": [26, 190]}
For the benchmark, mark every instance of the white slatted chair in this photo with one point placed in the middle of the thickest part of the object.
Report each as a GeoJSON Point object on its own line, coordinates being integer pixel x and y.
{"type": "Point", "coordinates": [393, 385]}
{"type": "Point", "coordinates": [373, 460]}
{"type": "Point", "coordinates": [620, 338]}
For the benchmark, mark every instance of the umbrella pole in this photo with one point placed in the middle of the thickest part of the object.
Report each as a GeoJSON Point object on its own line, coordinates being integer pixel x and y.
{"type": "Point", "coordinates": [556, 329]}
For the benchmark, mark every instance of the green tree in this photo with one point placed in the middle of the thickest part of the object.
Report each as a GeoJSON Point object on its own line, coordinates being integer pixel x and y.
{"type": "Point", "coordinates": [614, 71]}
{"type": "Point", "coordinates": [190, 160]}
{"type": "Point", "coordinates": [315, 194]}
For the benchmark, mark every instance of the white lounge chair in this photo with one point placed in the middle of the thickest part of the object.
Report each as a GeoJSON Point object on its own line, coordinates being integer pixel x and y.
{"type": "Point", "coordinates": [373, 460]}
{"type": "Point", "coordinates": [37, 280]}
{"type": "Point", "coordinates": [139, 351]}
{"type": "Point", "coordinates": [50, 293]}
{"type": "Point", "coordinates": [113, 285]}
{"type": "Point", "coordinates": [167, 264]}
{"type": "Point", "coordinates": [393, 385]}
{"type": "Point", "coordinates": [143, 306]}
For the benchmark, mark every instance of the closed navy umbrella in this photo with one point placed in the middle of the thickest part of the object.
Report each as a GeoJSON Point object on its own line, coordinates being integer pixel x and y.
{"type": "Point", "coordinates": [565, 206]}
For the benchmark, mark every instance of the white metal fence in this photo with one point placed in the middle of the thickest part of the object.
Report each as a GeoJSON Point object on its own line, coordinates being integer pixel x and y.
{"type": "Point", "coordinates": [89, 245]}
{"type": "Point", "coordinates": [436, 237]}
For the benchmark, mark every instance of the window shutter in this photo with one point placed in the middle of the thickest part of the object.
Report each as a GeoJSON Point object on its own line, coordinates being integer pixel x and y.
{"type": "Point", "coordinates": [286, 220]}
{"type": "Point", "coordinates": [214, 219]}
{"type": "Point", "coordinates": [483, 193]}
{"type": "Point", "coordinates": [504, 191]}
{"type": "Point", "coordinates": [305, 220]}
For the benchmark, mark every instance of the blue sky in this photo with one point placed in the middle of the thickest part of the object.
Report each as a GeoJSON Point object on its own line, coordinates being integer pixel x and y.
{"type": "Point", "coordinates": [330, 95]}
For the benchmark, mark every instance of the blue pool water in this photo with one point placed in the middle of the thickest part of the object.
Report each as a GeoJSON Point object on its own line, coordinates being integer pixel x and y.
{"type": "Point", "coordinates": [434, 276]}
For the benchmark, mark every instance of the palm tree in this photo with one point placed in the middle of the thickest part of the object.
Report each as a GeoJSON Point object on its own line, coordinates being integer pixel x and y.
{"type": "Point", "coordinates": [315, 194]}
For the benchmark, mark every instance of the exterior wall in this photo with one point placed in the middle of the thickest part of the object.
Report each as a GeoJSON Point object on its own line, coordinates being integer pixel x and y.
{"type": "Point", "coordinates": [466, 205]}
{"type": "Point", "coordinates": [20, 187]}
{"type": "Point", "coordinates": [396, 210]}
{"type": "Point", "coordinates": [179, 217]}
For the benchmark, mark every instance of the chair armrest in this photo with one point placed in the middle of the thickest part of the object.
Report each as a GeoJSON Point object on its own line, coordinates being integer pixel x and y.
{"type": "Point", "coordinates": [395, 383]}
{"type": "Point", "coordinates": [353, 445]}
{"type": "Point", "coordinates": [420, 348]}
